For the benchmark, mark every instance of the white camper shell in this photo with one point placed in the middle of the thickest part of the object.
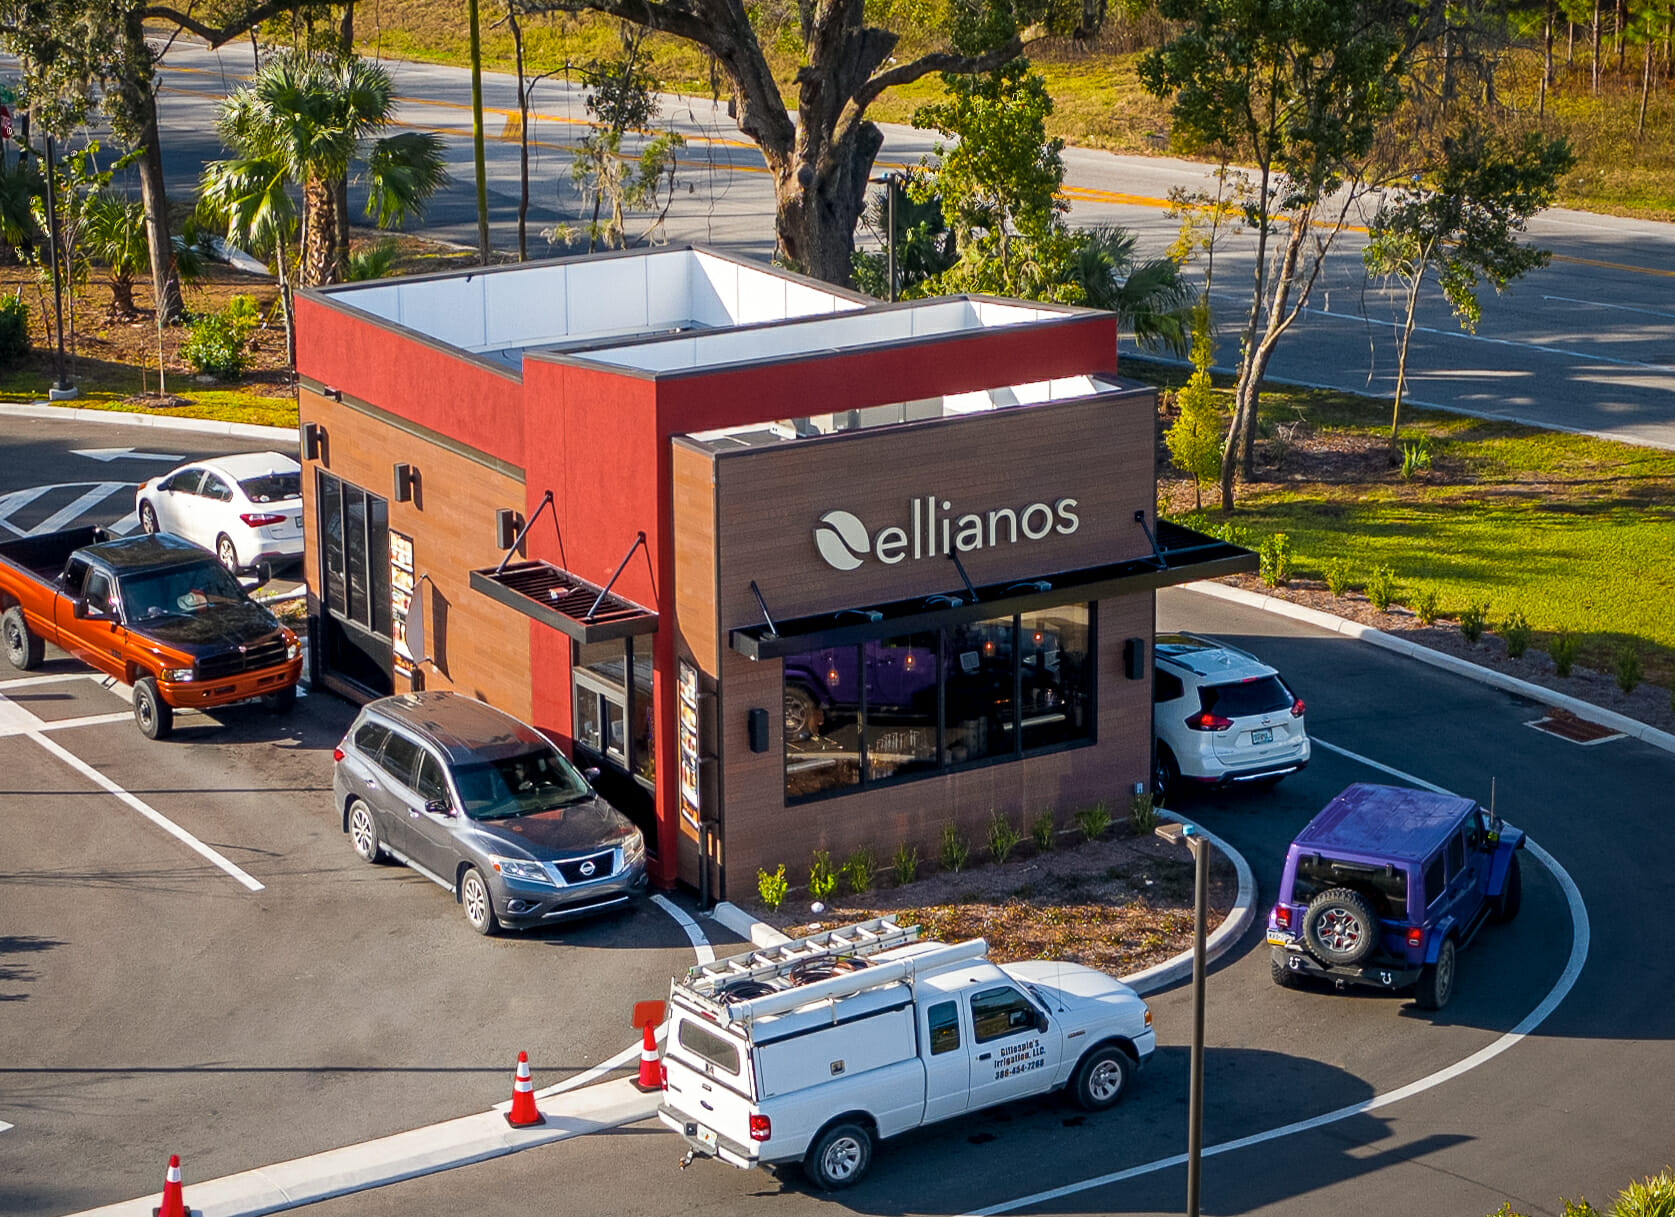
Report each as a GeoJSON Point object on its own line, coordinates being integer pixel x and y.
{"type": "Point", "coordinates": [818, 1049]}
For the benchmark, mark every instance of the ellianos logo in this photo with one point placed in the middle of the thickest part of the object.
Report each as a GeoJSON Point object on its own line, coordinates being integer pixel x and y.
{"type": "Point", "coordinates": [844, 540]}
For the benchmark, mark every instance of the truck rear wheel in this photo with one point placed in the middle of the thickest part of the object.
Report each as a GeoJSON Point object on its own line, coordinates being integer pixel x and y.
{"type": "Point", "coordinates": [1436, 980]}
{"type": "Point", "coordinates": [839, 1156]}
{"type": "Point", "coordinates": [24, 648]}
{"type": "Point", "coordinates": [152, 715]}
{"type": "Point", "coordinates": [1102, 1078]}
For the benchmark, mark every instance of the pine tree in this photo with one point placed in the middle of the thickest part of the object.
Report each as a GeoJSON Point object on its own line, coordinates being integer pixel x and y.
{"type": "Point", "coordinates": [1195, 438]}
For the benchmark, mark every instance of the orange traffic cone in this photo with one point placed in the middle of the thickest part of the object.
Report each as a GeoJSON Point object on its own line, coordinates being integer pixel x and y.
{"type": "Point", "coordinates": [174, 1200]}
{"type": "Point", "coordinates": [524, 1113]}
{"type": "Point", "coordinates": [651, 1073]}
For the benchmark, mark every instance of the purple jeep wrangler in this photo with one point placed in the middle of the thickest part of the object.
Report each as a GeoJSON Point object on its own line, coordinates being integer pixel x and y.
{"type": "Point", "coordinates": [1386, 885]}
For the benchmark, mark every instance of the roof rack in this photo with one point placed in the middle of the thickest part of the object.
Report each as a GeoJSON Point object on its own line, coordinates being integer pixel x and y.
{"type": "Point", "coordinates": [776, 963]}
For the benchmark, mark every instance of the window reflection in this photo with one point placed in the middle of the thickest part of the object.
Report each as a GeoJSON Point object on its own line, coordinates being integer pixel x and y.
{"type": "Point", "coordinates": [978, 659]}
{"type": "Point", "coordinates": [1054, 668]}
{"type": "Point", "coordinates": [822, 721]}
{"type": "Point", "coordinates": [901, 705]}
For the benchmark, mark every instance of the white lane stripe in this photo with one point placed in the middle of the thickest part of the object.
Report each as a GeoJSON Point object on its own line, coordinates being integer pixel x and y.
{"type": "Point", "coordinates": [67, 515]}
{"type": "Point", "coordinates": [694, 932]}
{"type": "Point", "coordinates": [1372, 764]}
{"type": "Point", "coordinates": [1561, 989]}
{"type": "Point", "coordinates": [156, 817]}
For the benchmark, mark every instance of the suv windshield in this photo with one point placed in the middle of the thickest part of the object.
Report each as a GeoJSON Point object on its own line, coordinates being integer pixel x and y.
{"type": "Point", "coordinates": [272, 487]}
{"type": "Point", "coordinates": [539, 780]}
{"type": "Point", "coordinates": [180, 591]}
{"type": "Point", "coordinates": [1264, 695]}
{"type": "Point", "coordinates": [1386, 884]}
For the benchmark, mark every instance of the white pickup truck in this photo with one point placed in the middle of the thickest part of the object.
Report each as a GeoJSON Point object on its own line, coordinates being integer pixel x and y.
{"type": "Point", "coordinates": [819, 1049]}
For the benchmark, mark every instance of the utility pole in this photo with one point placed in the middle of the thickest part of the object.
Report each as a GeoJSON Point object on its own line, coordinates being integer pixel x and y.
{"type": "Point", "coordinates": [1194, 840]}
{"type": "Point", "coordinates": [477, 134]}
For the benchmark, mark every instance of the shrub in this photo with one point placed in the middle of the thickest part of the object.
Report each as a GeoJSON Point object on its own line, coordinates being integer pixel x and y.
{"type": "Point", "coordinates": [1472, 620]}
{"type": "Point", "coordinates": [1381, 587]}
{"type": "Point", "coordinates": [215, 346]}
{"type": "Point", "coordinates": [956, 850]}
{"type": "Point", "coordinates": [1563, 650]}
{"type": "Point", "coordinates": [1003, 837]}
{"type": "Point", "coordinates": [1416, 458]}
{"type": "Point", "coordinates": [1515, 632]}
{"type": "Point", "coordinates": [1627, 667]}
{"type": "Point", "coordinates": [1233, 534]}
{"type": "Point", "coordinates": [1093, 821]}
{"type": "Point", "coordinates": [1425, 606]}
{"type": "Point", "coordinates": [822, 880]}
{"type": "Point", "coordinates": [860, 870]}
{"type": "Point", "coordinates": [1275, 556]}
{"type": "Point", "coordinates": [242, 310]}
{"type": "Point", "coordinates": [1043, 831]}
{"type": "Point", "coordinates": [1337, 576]}
{"type": "Point", "coordinates": [772, 888]}
{"type": "Point", "coordinates": [1142, 813]}
{"type": "Point", "coordinates": [14, 329]}
{"type": "Point", "coordinates": [906, 863]}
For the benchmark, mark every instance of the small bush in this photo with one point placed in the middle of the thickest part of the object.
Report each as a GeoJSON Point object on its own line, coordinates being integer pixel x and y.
{"type": "Point", "coordinates": [822, 879]}
{"type": "Point", "coordinates": [1275, 556]}
{"type": "Point", "coordinates": [860, 870]}
{"type": "Point", "coordinates": [1043, 831]}
{"type": "Point", "coordinates": [956, 850]}
{"type": "Point", "coordinates": [1515, 632]}
{"type": "Point", "coordinates": [1627, 667]}
{"type": "Point", "coordinates": [906, 863]}
{"type": "Point", "coordinates": [14, 329]}
{"type": "Point", "coordinates": [215, 346]}
{"type": "Point", "coordinates": [1416, 458]}
{"type": "Point", "coordinates": [1425, 606]}
{"type": "Point", "coordinates": [1093, 821]}
{"type": "Point", "coordinates": [1472, 620]}
{"type": "Point", "coordinates": [772, 888]}
{"type": "Point", "coordinates": [242, 310]}
{"type": "Point", "coordinates": [1142, 813]}
{"type": "Point", "coordinates": [1233, 534]}
{"type": "Point", "coordinates": [1381, 587]}
{"type": "Point", "coordinates": [1003, 837]}
{"type": "Point", "coordinates": [1337, 576]}
{"type": "Point", "coordinates": [1563, 650]}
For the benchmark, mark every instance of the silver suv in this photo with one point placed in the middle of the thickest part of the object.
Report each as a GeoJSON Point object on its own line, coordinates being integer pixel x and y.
{"type": "Point", "coordinates": [485, 806]}
{"type": "Point", "coordinates": [1221, 716]}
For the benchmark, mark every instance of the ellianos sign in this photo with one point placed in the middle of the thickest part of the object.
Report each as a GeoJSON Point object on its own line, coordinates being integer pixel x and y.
{"type": "Point", "coordinates": [845, 542]}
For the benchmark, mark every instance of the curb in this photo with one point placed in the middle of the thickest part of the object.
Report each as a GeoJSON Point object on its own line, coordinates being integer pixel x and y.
{"type": "Point", "coordinates": [1631, 727]}
{"type": "Point", "coordinates": [207, 426]}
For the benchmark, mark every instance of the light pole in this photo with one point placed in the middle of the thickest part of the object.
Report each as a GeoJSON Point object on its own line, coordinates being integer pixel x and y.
{"type": "Point", "coordinates": [1194, 840]}
{"type": "Point", "coordinates": [892, 183]}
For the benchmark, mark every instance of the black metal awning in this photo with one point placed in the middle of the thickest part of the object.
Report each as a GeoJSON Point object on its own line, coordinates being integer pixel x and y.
{"type": "Point", "coordinates": [566, 602]}
{"type": "Point", "coordinates": [1180, 555]}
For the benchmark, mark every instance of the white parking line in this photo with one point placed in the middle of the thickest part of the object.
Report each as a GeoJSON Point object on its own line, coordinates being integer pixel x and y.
{"type": "Point", "coordinates": [65, 515]}
{"type": "Point", "coordinates": [694, 932]}
{"type": "Point", "coordinates": [1561, 988]}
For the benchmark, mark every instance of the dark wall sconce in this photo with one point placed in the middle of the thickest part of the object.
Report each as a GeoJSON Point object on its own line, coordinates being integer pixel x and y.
{"type": "Point", "coordinates": [1134, 658]}
{"type": "Point", "coordinates": [758, 730]}
{"type": "Point", "coordinates": [406, 483]}
{"type": "Point", "coordinates": [507, 525]}
{"type": "Point", "coordinates": [313, 441]}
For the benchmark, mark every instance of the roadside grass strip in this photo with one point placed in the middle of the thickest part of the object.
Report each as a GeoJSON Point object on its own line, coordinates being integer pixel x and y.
{"type": "Point", "coordinates": [1580, 938]}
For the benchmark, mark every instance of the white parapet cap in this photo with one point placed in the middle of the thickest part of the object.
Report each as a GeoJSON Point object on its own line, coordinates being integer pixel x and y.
{"type": "Point", "coordinates": [570, 304]}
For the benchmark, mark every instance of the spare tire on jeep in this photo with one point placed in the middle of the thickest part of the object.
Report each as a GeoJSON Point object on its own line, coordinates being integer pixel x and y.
{"type": "Point", "coordinates": [1340, 926]}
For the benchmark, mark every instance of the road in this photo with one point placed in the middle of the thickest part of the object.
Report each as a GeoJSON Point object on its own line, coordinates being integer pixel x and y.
{"type": "Point", "coordinates": [156, 1003]}
{"type": "Point", "coordinates": [1587, 344]}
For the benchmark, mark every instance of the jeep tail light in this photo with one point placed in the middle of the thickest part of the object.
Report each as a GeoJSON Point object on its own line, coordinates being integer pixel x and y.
{"type": "Point", "coordinates": [1297, 708]}
{"type": "Point", "coordinates": [1282, 916]}
{"type": "Point", "coordinates": [761, 1128]}
{"type": "Point", "coordinates": [1416, 936]}
{"type": "Point", "coordinates": [258, 519]}
{"type": "Point", "coordinates": [1205, 721]}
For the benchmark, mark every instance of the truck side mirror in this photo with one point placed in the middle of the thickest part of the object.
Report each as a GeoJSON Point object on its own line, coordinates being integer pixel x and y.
{"type": "Point", "coordinates": [1040, 1020]}
{"type": "Point", "coordinates": [79, 609]}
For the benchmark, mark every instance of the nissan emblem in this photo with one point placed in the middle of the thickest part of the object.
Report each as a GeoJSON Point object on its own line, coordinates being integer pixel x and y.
{"type": "Point", "coordinates": [587, 868]}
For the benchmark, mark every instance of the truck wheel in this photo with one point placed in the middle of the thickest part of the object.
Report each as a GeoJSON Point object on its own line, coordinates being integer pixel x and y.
{"type": "Point", "coordinates": [1283, 976]}
{"type": "Point", "coordinates": [802, 713]}
{"type": "Point", "coordinates": [280, 702]}
{"type": "Point", "coordinates": [1102, 1078]}
{"type": "Point", "coordinates": [24, 648]}
{"type": "Point", "coordinates": [1505, 906]}
{"type": "Point", "coordinates": [1436, 980]}
{"type": "Point", "coordinates": [1340, 926]}
{"type": "Point", "coordinates": [363, 833]}
{"type": "Point", "coordinates": [839, 1156]}
{"type": "Point", "coordinates": [152, 715]}
{"type": "Point", "coordinates": [479, 906]}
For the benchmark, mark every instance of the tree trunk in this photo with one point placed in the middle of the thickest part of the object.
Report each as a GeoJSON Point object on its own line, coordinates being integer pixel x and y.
{"type": "Point", "coordinates": [1598, 5]}
{"type": "Point", "coordinates": [122, 298]}
{"type": "Point", "coordinates": [820, 191]}
{"type": "Point", "coordinates": [281, 256]}
{"type": "Point", "coordinates": [131, 103]}
{"type": "Point", "coordinates": [523, 136]}
{"type": "Point", "coordinates": [319, 234]}
{"type": "Point", "coordinates": [1401, 358]}
{"type": "Point", "coordinates": [1546, 62]}
{"type": "Point", "coordinates": [1243, 400]}
{"type": "Point", "coordinates": [340, 245]}
{"type": "Point", "coordinates": [1645, 91]}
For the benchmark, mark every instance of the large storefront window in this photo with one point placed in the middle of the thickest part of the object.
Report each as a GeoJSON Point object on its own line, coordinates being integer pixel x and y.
{"type": "Point", "coordinates": [613, 713]}
{"type": "Point", "coordinates": [896, 708]}
{"type": "Point", "coordinates": [355, 581]}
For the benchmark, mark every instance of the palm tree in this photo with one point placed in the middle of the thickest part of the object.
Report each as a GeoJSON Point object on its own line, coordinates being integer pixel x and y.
{"type": "Point", "coordinates": [115, 238]}
{"type": "Point", "coordinates": [304, 121]}
{"type": "Point", "coordinates": [1151, 297]}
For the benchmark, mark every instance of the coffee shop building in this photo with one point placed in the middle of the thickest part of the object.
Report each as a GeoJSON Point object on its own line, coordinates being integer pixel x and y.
{"type": "Point", "coordinates": [794, 569]}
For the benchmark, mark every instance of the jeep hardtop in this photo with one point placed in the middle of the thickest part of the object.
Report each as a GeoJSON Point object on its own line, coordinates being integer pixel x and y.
{"type": "Point", "coordinates": [1387, 885]}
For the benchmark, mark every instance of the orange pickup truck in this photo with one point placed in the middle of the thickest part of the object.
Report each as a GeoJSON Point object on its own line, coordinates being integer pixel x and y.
{"type": "Point", "coordinates": [155, 612]}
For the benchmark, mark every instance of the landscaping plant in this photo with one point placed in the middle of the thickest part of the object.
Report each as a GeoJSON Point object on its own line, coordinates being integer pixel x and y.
{"type": "Point", "coordinates": [216, 346]}
{"type": "Point", "coordinates": [14, 329]}
{"type": "Point", "coordinates": [906, 864]}
{"type": "Point", "coordinates": [1627, 667]}
{"type": "Point", "coordinates": [1416, 458]}
{"type": "Point", "coordinates": [1425, 606]}
{"type": "Point", "coordinates": [1043, 831]}
{"type": "Point", "coordinates": [1563, 650]}
{"type": "Point", "coordinates": [822, 879]}
{"type": "Point", "coordinates": [772, 888]}
{"type": "Point", "coordinates": [1142, 813]}
{"type": "Point", "coordinates": [1093, 821]}
{"type": "Point", "coordinates": [1515, 632]}
{"type": "Point", "coordinates": [860, 870]}
{"type": "Point", "coordinates": [1472, 620]}
{"type": "Point", "coordinates": [1337, 576]}
{"type": "Point", "coordinates": [1381, 588]}
{"type": "Point", "coordinates": [1275, 556]}
{"type": "Point", "coordinates": [956, 850]}
{"type": "Point", "coordinates": [1003, 837]}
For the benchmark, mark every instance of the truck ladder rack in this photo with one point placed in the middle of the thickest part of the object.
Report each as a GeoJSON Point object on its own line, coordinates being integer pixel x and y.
{"type": "Point", "coordinates": [774, 963]}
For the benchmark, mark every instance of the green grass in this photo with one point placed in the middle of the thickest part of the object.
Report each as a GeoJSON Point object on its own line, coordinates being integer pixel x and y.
{"type": "Point", "coordinates": [105, 386]}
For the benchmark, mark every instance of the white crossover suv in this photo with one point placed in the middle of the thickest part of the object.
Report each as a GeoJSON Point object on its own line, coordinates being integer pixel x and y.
{"type": "Point", "coordinates": [1221, 716]}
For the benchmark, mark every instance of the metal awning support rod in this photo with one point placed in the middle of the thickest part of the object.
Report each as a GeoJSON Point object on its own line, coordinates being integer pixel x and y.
{"type": "Point", "coordinates": [763, 604]}
{"type": "Point", "coordinates": [960, 566]}
{"type": "Point", "coordinates": [1157, 554]}
{"type": "Point", "coordinates": [546, 502]}
{"type": "Point", "coordinates": [639, 540]}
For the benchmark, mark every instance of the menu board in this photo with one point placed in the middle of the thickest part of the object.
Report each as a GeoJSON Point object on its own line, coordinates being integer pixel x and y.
{"type": "Point", "coordinates": [687, 689]}
{"type": "Point", "coordinates": [401, 601]}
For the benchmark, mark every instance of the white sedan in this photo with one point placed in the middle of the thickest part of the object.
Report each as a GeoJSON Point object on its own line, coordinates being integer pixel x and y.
{"type": "Point", "coordinates": [246, 508]}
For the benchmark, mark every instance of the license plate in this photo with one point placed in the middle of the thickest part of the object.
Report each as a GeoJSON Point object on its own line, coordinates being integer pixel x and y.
{"type": "Point", "coordinates": [1264, 735]}
{"type": "Point", "coordinates": [1278, 940]}
{"type": "Point", "coordinates": [706, 1137]}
